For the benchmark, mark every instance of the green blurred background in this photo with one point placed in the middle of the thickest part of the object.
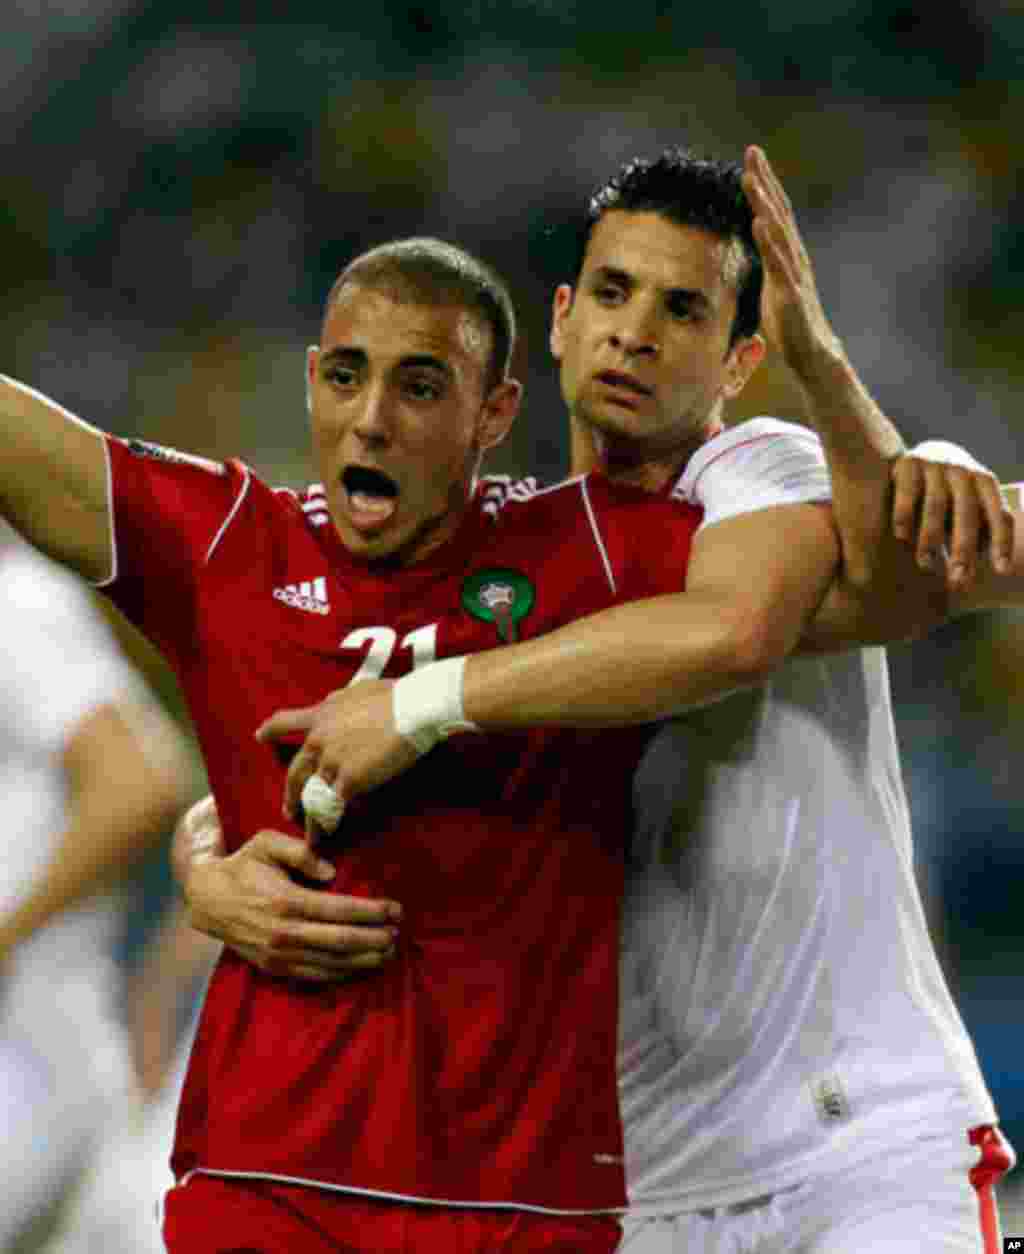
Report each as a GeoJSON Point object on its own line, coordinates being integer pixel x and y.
{"type": "Point", "coordinates": [182, 181]}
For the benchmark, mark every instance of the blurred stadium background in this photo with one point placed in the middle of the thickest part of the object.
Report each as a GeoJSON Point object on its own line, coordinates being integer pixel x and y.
{"type": "Point", "coordinates": [183, 180]}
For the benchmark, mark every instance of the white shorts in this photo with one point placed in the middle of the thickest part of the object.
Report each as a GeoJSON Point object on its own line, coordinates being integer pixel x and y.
{"type": "Point", "coordinates": [62, 1063]}
{"type": "Point", "coordinates": [47, 1127]}
{"type": "Point", "coordinates": [934, 1194]}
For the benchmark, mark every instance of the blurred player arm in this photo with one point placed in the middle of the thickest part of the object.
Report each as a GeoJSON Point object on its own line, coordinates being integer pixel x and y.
{"type": "Point", "coordinates": [165, 983]}
{"type": "Point", "coordinates": [53, 480]}
{"type": "Point", "coordinates": [123, 763]}
{"type": "Point", "coordinates": [250, 901]}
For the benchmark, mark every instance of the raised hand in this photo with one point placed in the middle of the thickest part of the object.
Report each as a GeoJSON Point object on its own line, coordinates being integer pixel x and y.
{"type": "Point", "coordinates": [792, 317]}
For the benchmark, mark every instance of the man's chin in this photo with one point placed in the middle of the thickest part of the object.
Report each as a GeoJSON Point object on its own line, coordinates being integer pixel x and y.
{"type": "Point", "coordinates": [372, 545]}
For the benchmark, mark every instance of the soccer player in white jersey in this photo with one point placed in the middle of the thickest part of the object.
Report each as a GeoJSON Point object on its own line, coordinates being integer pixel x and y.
{"type": "Point", "coordinates": [795, 1076]}
{"type": "Point", "coordinates": [91, 776]}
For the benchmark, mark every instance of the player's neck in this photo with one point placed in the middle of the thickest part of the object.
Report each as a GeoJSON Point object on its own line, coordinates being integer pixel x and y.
{"type": "Point", "coordinates": [626, 464]}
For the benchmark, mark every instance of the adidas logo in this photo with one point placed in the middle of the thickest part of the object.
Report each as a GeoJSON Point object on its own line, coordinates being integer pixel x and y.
{"type": "Point", "coordinates": [310, 595]}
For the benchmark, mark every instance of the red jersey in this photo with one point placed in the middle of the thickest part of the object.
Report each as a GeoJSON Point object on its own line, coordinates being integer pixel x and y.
{"type": "Point", "coordinates": [478, 1067]}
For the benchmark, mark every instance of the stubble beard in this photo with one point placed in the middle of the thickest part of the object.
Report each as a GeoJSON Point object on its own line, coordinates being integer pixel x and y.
{"type": "Point", "coordinates": [650, 460]}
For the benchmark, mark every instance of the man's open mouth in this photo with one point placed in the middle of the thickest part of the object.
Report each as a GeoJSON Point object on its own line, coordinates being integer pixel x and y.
{"type": "Point", "coordinates": [372, 495]}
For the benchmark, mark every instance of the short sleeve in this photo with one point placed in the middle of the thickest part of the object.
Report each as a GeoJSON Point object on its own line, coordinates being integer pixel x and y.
{"type": "Point", "coordinates": [758, 464]}
{"type": "Point", "coordinates": [169, 511]}
{"type": "Point", "coordinates": [947, 453]}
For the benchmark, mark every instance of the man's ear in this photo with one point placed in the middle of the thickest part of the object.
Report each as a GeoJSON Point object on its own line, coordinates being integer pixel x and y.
{"type": "Point", "coordinates": [560, 306]}
{"type": "Point", "coordinates": [498, 413]}
{"type": "Point", "coordinates": [312, 360]}
{"type": "Point", "coordinates": [744, 358]}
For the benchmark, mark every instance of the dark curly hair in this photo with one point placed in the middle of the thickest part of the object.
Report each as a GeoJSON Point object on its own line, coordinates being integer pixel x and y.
{"type": "Point", "coordinates": [691, 191]}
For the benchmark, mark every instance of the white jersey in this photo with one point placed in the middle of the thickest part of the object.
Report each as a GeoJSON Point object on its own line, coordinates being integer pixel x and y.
{"type": "Point", "coordinates": [58, 662]}
{"type": "Point", "coordinates": [783, 1008]}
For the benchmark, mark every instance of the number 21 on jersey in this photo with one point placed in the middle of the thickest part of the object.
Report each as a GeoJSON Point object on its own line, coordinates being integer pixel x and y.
{"type": "Point", "coordinates": [383, 643]}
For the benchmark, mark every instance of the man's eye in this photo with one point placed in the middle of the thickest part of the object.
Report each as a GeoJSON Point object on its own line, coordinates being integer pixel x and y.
{"type": "Point", "coordinates": [424, 389]}
{"type": "Point", "coordinates": [341, 375]}
{"type": "Point", "coordinates": [608, 295]}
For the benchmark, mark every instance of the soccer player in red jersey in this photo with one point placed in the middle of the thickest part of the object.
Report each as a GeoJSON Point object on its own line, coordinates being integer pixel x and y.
{"type": "Point", "coordinates": [839, 1061]}
{"type": "Point", "coordinates": [456, 1100]}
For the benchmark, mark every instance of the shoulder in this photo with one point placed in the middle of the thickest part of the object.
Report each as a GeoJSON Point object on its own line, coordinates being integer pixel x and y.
{"type": "Point", "coordinates": [757, 464]}
{"type": "Point", "coordinates": [162, 494]}
{"type": "Point", "coordinates": [170, 456]}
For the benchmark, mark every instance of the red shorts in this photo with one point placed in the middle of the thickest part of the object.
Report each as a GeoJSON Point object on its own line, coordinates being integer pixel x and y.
{"type": "Point", "coordinates": [213, 1215]}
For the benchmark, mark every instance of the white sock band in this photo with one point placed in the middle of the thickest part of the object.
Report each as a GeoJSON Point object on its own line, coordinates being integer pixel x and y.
{"type": "Point", "coordinates": [427, 704]}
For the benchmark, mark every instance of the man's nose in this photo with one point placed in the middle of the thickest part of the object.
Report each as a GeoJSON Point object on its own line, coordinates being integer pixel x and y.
{"type": "Point", "coordinates": [635, 334]}
{"type": "Point", "coordinates": [375, 423]}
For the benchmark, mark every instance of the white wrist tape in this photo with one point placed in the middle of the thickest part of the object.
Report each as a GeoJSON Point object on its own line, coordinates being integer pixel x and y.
{"type": "Point", "coordinates": [427, 704]}
{"type": "Point", "coordinates": [948, 453]}
{"type": "Point", "coordinates": [321, 803]}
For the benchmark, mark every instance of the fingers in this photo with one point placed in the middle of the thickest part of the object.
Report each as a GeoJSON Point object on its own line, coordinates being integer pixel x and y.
{"type": "Point", "coordinates": [298, 949]}
{"type": "Point", "coordinates": [317, 967]}
{"type": "Point", "coordinates": [908, 490]}
{"type": "Point", "coordinates": [774, 221]}
{"type": "Point", "coordinates": [1000, 521]}
{"type": "Point", "coordinates": [287, 723]}
{"type": "Point", "coordinates": [277, 847]}
{"type": "Point", "coordinates": [934, 509]}
{"type": "Point", "coordinates": [965, 532]}
{"type": "Point", "coordinates": [294, 901]}
{"type": "Point", "coordinates": [936, 504]}
{"type": "Point", "coordinates": [331, 944]}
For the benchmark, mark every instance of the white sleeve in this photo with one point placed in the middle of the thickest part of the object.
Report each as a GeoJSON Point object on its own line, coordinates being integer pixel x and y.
{"type": "Point", "coordinates": [59, 659]}
{"type": "Point", "coordinates": [946, 452]}
{"type": "Point", "coordinates": [755, 465]}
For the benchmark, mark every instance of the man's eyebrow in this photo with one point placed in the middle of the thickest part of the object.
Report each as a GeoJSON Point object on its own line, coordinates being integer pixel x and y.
{"type": "Point", "coordinates": [610, 274]}
{"type": "Point", "coordinates": [417, 361]}
{"type": "Point", "coordinates": [351, 356]}
{"type": "Point", "coordinates": [687, 296]}
{"type": "Point", "coordinates": [357, 357]}
{"type": "Point", "coordinates": [675, 295]}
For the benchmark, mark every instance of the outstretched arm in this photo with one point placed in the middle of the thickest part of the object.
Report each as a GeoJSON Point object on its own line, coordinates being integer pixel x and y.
{"type": "Point", "coordinates": [53, 480]}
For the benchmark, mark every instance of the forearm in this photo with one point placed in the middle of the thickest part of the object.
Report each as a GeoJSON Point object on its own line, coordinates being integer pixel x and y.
{"type": "Point", "coordinates": [901, 602]}
{"type": "Point", "coordinates": [634, 663]}
{"type": "Point", "coordinates": [53, 479]}
{"type": "Point", "coordinates": [860, 446]}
